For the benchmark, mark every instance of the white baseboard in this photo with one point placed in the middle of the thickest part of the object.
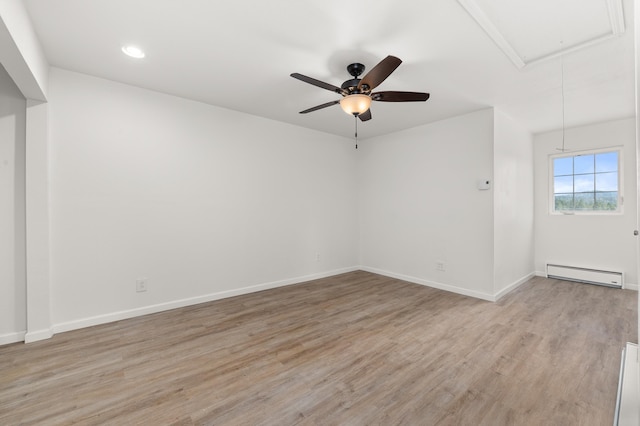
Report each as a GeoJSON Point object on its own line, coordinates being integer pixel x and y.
{"type": "Point", "coordinates": [8, 338]}
{"type": "Point", "coordinates": [152, 309]}
{"type": "Point", "coordinates": [541, 274]}
{"type": "Point", "coordinates": [453, 289]}
{"type": "Point", "coordinates": [440, 286]}
{"type": "Point", "coordinates": [34, 336]}
{"type": "Point", "coordinates": [514, 285]}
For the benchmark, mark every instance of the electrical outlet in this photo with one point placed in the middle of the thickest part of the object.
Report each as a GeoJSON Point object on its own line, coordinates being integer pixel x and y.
{"type": "Point", "coordinates": [440, 266]}
{"type": "Point", "coordinates": [141, 285]}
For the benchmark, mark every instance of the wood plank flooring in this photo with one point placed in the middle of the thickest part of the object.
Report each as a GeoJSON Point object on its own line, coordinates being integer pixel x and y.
{"type": "Point", "coordinates": [355, 349]}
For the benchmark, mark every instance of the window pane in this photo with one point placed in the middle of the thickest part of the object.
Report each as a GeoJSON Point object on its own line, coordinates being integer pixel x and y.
{"type": "Point", "coordinates": [583, 164]}
{"type": "Point", "coordinates": [563, 202]}
{"type": "Point", "coordinates": [607, 162]}
{"type": "Point", "coordinates": [563, 166]}
{"type": "Point", "coordinates": [606, 201]}
{"type": "Point", "coordinates": [584, 183]}
{"type": "Point", "coordinates": [607, 181]}
{"type": "Point", "coordinates": [584, 201]}
{"type": "Point", "coordinates": [562, 184]}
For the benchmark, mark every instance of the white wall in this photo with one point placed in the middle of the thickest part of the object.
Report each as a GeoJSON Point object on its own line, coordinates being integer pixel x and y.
{"type": "Point", "coordinates": [513, 203]}
{"type": "Point", "coordinates": [419, 204]}
{"type": "Point", "coordinates": [200, 200]}
{"type": "Point", "coordinates": [594, 241]}
{"type": "Point", "coordinates": [20, 51]}
{"type": "Point", "coordinates": [12, 211]}
{"type": "Point", "coordinates": [37, 223]}
{"type": "Point", "coordinates": [636, 11]}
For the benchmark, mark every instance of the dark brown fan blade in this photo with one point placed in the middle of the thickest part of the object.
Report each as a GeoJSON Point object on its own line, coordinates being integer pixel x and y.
{"type": "Point", "coordinates": [380, 72]}
{"type": "Point", "coordinates": [365, 116]}
{"type": "Point", "coordinates": [399, 96]}
{"type": "Point", "coordinates": [315, 108]}
{"type": "Point", "coordinates": [317, 83]}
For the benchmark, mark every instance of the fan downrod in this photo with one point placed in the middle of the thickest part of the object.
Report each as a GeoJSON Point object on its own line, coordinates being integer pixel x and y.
{"type": "Point", "coordinates": [355, 70]}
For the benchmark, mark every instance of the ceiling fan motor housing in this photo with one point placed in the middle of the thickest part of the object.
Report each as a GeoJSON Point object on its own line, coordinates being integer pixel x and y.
{"type": "Point", "coordinates": [351, 85]}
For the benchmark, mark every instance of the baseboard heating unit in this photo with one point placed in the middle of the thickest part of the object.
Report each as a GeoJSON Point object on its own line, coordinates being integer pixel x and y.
{"type": "Point", "coordinates": [585, 275]}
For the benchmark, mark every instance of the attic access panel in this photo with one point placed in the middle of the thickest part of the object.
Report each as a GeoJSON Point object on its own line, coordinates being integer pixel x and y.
{"type": "Point", "coordinates": [532, 31]}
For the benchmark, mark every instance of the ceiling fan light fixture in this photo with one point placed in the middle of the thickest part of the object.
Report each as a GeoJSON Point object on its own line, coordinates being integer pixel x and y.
{"type": "Point", "coordinates": [355, 104]}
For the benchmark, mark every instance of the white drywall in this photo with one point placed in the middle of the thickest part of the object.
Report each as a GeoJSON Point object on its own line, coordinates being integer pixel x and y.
{"type": "Point", "coordinates": [12, 211]}
{"type": "Point", "coordinates": [199, 200]}
{"type": "Point", "coordinates": [592, 241]}
{"type": "Point", "coordinates": [419, 204]}
{"type": "Point", "coordinates": [636, 11]}
{"type": "Point", "coordinates": [20, 51]}
{"type": "Point", "coordinates": [27, 68]}
{"type": "Point", "coordinates": [37, 222]}
{"type": "Point", "coordinates": [513, 203]}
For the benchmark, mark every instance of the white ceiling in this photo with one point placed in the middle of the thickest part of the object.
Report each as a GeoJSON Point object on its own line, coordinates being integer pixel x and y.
{"type": "Point", "coordinates": [511, 24]}
{"type": "Point", "coordinates": [239, 55]}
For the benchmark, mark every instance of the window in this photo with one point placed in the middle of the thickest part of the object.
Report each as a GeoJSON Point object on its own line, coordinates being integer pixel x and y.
{"type": "Point", "coordinates": [586, 182]}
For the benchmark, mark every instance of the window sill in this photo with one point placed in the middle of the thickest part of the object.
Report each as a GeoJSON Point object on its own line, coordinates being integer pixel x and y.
{"type": "Point", "coordinates": [580, 213]}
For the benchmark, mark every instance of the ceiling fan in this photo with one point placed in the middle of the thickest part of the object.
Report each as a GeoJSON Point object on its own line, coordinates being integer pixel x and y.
{"type": "Point", "coordinates": [357, 93]}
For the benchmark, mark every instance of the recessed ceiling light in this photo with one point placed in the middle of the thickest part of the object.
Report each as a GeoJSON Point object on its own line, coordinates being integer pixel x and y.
{"type": "Point", "coordinates": [133, 51]}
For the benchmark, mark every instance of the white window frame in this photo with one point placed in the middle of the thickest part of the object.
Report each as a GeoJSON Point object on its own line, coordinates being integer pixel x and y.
{"type": "Point", "coordinates": [618, 211]}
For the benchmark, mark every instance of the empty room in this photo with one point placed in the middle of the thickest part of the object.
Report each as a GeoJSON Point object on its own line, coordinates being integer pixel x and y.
{"type": "Point", "coordinates": [318, 213]}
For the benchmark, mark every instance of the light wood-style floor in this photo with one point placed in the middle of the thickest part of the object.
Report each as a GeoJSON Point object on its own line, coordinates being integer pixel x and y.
{"type": "Point", "coordinates": [355, 349]}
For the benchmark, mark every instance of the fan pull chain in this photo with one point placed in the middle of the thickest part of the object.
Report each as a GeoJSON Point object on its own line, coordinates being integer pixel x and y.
{"type": "Point", "coordinates": [562, 94]}
{"type": "Point", "coordinates": [562, 83]}
{"type": "Point", "coordinates": [356, 117]}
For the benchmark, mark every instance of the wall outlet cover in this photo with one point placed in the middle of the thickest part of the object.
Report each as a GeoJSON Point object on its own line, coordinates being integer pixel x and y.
{"type": "Point", "coordinates": [141, 285]}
